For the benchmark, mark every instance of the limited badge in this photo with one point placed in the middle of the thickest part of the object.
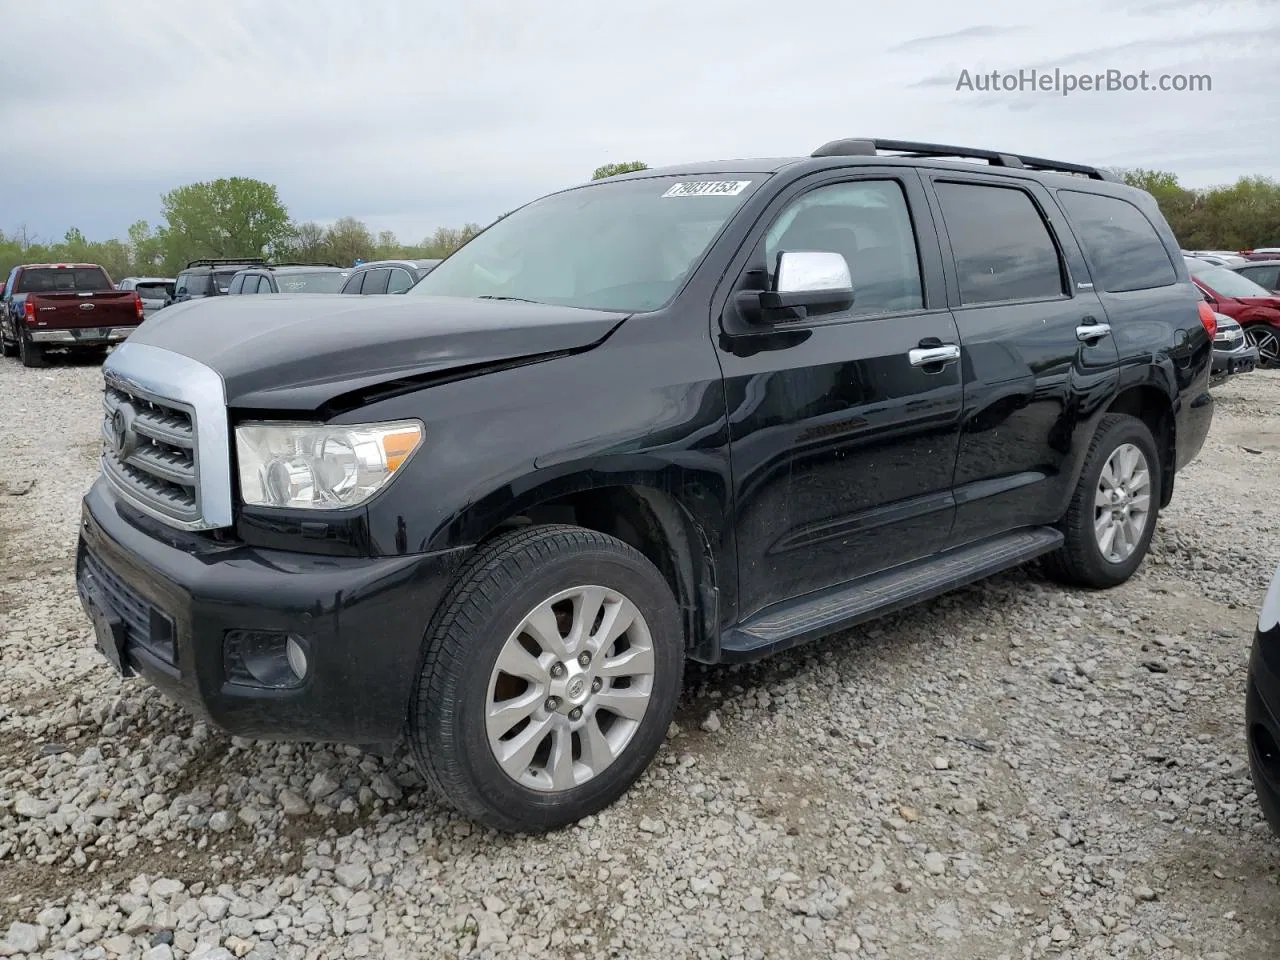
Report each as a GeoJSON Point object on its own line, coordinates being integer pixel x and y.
{"type": "Point", "coordinates": [708, 188]}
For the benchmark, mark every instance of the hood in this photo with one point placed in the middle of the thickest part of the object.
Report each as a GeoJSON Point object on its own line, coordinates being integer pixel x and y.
{"type": "Point", "coordinates": [1272, 302]}
{"type": "Point", "coordinates": [298, 352]}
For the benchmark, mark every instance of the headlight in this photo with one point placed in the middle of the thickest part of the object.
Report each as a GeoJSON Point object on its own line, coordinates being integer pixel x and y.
{"type": "Point", "coordinates": [320, 466]}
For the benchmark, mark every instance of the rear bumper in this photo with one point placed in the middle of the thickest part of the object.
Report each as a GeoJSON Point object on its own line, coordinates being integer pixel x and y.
{"type": "Point", "coordinates": [92, 336]}
{"type": "Point", "coordinates": [361, 622]}
{"type": "Point", "coordinates": [1242, 359]}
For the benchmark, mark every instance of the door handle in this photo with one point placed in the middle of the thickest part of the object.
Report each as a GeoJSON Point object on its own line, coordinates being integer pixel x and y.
{"type": "Point", "coordinates": [926, 356]}
{"type": "Point", "coordinates": [1092, 331]}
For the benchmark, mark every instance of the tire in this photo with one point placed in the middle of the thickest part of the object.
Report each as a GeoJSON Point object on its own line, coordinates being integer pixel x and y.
{"type": "Point", "coordinates": [455, 743]}
{"type": "Point", "coordinates": [7, 347]}
{"type": "Point", "coordinates": [29, 353]}
{"type": "Point", "coordinates": [1080, 560]}
{"type": "Point", "coordinates": [1267, 339]}
{"type": "Point", "coordinates": [1263, 758]}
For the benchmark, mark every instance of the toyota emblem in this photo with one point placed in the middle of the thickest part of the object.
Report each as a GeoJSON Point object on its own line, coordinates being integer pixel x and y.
{"type": "Point", "coordinates": [123, 439]}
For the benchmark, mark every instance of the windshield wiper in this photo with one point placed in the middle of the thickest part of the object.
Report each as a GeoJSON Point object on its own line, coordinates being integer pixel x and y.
{"type": "Point", "coordinates": [489, 296]}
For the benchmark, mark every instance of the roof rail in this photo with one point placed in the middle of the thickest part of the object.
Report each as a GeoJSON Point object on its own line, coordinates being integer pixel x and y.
{"type": "Point", "coordinates": [868, 147]}
{"type": "Point", "coordinates": [217, 262]}
{"type": "Point", "coordinates": [302, 263]}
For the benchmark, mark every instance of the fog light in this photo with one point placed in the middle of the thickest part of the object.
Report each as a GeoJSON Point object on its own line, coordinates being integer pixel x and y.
{"type": "Point", "coordinates": [264, 658]}
{"type": "Point", "coordinates": [297, 658]}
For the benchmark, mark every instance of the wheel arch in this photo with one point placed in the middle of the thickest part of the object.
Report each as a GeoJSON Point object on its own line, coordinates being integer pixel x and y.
{"type": "Point", "coordinates": [1154, 407]}
{"type": "Point", "coordinates": [644, 515]}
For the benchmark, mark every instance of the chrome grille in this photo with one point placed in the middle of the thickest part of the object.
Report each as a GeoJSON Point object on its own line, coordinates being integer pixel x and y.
{"type": "Point", "coordinates": [149, 451]}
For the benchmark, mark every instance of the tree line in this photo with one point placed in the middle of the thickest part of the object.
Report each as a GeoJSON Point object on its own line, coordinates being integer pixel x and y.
{"type": "Point", "coordinates": [1241, 216]}
{"type": "Point", "coordinates": [238, 217]}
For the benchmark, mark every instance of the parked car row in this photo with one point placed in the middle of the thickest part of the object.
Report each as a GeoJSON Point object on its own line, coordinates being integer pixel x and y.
{"type": "Point", "coordinates": [1254, 307]}
{"type": "Point", "coordinates": [1234, 258]}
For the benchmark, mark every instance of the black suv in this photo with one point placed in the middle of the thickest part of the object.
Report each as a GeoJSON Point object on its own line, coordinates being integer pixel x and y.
{"type": "Point", "coordinates": [289, 278]}
{"type": "Point", "coordinates": [209, 277]}
{"type": "Point", "coordinates": [706, 413]}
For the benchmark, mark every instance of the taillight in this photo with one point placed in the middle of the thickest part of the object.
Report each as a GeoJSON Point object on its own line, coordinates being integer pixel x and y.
{"type": "Point", "coordinates": [1209, 319]}
{"type": "Point", "coordinates": [137, 305]}
{"type": "Point", "coordinates": [29, 311]}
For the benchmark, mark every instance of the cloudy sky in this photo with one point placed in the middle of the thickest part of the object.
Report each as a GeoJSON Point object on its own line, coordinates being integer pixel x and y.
{"type": "Point", "coordinates": [412, 115]}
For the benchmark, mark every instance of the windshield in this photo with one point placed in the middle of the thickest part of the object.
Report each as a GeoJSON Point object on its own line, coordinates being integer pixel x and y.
{"type": "Point", "coordinates": [1228, 283]}
{"type": "Point", "coordinates": [328, 281]}
{"type": "Point", "coordinates": [63, 280]}
{"type": "Point", "coordinates": [626, 245]}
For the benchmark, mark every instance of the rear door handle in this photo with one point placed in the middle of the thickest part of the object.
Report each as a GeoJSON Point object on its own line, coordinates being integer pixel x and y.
{"type": "Point", "coordinates": [926, 356]}
{"type": "Point", "coordinates": [1092, 331]}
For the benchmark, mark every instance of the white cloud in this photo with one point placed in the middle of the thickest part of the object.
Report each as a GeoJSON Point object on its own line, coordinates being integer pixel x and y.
{"type": "Point", "coordinates": [413, 115]}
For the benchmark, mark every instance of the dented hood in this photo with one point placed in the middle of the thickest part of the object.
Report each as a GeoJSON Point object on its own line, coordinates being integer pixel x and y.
{"type": "Point", "coordinates": [299, 351]}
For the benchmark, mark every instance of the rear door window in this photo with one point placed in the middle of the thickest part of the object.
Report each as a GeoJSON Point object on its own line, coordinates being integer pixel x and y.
{"type": "Point", "coordinates": [1123, 248]}
{"type": "Point", "coordinates": [376, 281]}
{"type": "Point", "coordinates": [353, 283]}
{"type": "Point", "coordinates": [1002, 246]}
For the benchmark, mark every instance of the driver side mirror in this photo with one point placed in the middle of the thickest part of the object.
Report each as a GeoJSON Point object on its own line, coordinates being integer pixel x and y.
{"type": "Point", "coordinates": [806, 282]}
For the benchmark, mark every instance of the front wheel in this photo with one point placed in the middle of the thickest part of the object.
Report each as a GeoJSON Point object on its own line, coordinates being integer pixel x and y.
{"type": "Point", "coordinates": [550, 676]}
{"type": "Point", "coordinates": [1112, 515]}
{"type": "Point", "coordinates": [1267, 339]}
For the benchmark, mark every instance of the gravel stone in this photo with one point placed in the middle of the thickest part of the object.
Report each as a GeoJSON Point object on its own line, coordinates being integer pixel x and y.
{"type": "Point", "coordinates": [1009, 772]}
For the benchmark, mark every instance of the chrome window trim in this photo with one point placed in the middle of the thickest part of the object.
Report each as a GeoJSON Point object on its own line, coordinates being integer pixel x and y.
{"type": "Point", "coordinates": [166, 375]}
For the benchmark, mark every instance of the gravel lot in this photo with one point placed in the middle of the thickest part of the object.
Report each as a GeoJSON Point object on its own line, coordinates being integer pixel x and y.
{"type": "Point", "coordinates": [1017, 770]}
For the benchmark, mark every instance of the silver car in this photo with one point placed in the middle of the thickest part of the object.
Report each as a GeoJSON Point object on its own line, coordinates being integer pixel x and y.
{"type": "Point", "coordinates": [156, 292]}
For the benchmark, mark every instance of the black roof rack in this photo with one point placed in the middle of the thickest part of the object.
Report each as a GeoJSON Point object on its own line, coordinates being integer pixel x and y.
{"type": "Point", "coordinates": [867, 147]}
{"type": "Point", "coordinates": [219, 262]}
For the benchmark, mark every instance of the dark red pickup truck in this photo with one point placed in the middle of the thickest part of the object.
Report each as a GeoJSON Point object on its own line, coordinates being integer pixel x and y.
{"type": "Point", "coordinates": [71, 306]}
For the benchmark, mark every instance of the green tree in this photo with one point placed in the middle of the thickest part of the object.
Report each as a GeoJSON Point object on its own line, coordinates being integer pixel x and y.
{"type": "Point", "coordinates": [447, 239]}
{"type": "Point", "coordinates": [613, 169]}
{"type": "Point", "coordinates": [145, 249]}
{"type": "Point", "coordinates": [348, 240]}
{"type": "Point", "coordinates": [308, 242]}
{"type": "Point", "coordinates": [388, 247]}
{"type": "Point", "coordinates": [230, 217]}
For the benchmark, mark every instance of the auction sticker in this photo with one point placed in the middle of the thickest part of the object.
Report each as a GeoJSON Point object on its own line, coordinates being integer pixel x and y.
{"type": "Point", "coordinates": [708, 188]}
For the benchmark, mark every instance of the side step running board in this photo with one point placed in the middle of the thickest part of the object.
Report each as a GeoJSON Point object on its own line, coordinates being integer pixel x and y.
{"type": "Point", "coordinates": [849, 604]}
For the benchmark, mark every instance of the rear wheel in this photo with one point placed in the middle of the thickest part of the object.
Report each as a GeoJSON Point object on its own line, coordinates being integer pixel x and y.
{"type": "Point", "coordinates": [1112, 515]}
{"type": "Point", "coordinates": [29, 353]}
{"type": "Point", "coordinates": [1267, 339]}
{"type": "Point", "coordinates": [550, 677]}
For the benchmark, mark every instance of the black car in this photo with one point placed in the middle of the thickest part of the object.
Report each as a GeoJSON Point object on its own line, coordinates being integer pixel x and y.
{"type": "Point", "coordinates": [1265, 273]}
{"type": "Point", "coordinates": [1262, 706]}
{"type": "Point", "coordinates": [288, 278]}
{"type": "Point", "coordinates": [387, 276]}
{"type": "Point", "coordinates": [705, 412]}
{"type": "Point", "coordinates": [209, 277]}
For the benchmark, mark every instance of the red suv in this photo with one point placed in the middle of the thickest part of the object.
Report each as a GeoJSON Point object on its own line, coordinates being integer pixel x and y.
{"type": "Point", "coordinates": [1255, 308]}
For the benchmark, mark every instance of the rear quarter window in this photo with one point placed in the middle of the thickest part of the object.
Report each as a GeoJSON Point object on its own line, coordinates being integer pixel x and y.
{"type": "Point", "coordinates": [1124, 251]}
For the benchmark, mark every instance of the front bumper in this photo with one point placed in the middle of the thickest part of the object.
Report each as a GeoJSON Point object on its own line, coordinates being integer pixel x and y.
{"type": "Point", "coordinates": [175, 597]}
{"type": "Point", "coordinates": [1262, 720]}
{"type": "Point", "coordinates": [1242, 359]}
